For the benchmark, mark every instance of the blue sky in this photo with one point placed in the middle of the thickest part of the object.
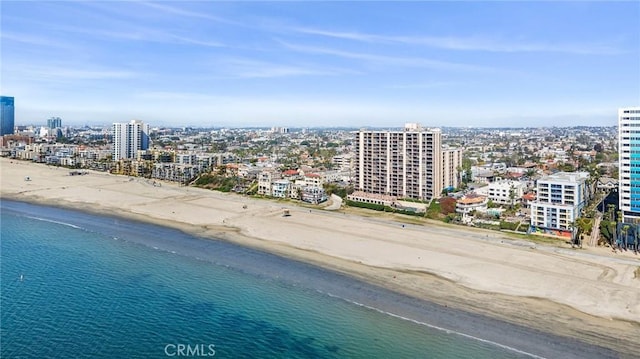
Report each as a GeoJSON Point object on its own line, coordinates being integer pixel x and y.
{"type": "Point", "coordinates": [333, 63]}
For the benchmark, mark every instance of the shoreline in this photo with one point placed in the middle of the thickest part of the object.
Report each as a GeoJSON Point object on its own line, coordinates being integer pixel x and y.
{"type": "Point", "coordinates": [520, 340]}
{"type": "Point", "coordinates": [476, 283]}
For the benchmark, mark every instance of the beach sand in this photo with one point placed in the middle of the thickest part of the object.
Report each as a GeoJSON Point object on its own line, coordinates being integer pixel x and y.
{"type": "Point", "coordinates": [590, 294]}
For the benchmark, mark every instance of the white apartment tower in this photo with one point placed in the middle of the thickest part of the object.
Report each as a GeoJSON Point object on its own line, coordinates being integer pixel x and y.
{"type": "Point", "coordinates": [629, 163]}
{"type": "Point", "coordinates": [129, 138]}
{"type": "Point", "coordinates": [561, 198]}
{"type": "Point", "coordinates": [405, 164]}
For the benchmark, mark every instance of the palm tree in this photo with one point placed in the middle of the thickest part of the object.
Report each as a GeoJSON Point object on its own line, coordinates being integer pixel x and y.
{"type": "Point", "coordinates": [512, 195]}
{"type": "Point", "coordinates": [625, 230]}
{"type": "Point", "coordinates": [635, 239]}
{"type": "Point", "coordinates": [610, 208]}
{"type": "Point", "coordinates": [530, 173]}
{"type": "Point", "coordinates": [573, 227]}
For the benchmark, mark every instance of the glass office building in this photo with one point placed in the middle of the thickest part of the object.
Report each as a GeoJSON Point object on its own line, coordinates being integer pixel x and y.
{"type": "Point", "coordinates": [7, 113]}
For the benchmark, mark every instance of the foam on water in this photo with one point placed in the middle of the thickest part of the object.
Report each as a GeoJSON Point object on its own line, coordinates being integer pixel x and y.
{"type": "Point", "coordinates": [56, 222]}
{"type": "Point", "coordinates": [448, 331]}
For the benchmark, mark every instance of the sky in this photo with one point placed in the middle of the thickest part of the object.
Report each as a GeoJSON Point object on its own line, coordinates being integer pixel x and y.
{"type": "Point", "coordinates": [321, 64]}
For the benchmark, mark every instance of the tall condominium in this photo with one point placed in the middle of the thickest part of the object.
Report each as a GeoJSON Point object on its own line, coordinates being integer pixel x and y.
{"type": "Point", "coordinates": [629, 167]}
{"type": "Point", "coordinates": [561, 198]}
{"type": "Point", "coordinates": [7, 115]}
{"type": "Point", "coordinates": [54, 122]}
{"type": "Point", "coordinates": [129, 138]}
{"type": "Point", "coordinates": [406, 164]}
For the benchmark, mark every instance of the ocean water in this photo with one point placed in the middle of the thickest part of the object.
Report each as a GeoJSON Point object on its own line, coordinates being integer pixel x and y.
{"type": "Point", "coordinates": [77, 285]}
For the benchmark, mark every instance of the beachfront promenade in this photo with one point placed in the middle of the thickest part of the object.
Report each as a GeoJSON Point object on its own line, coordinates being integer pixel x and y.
{"type": "Point", "coordinates": [578, 293]}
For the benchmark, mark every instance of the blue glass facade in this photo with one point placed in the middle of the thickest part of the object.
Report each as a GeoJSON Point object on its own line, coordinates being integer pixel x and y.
{"type": "Point", "coordinates": [629, 156]}
{"type": "Point", "coordinates": [7, 115]}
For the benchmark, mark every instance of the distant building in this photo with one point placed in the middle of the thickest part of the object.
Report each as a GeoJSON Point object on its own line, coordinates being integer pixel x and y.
{"type": "Point", "coordinates": [560, 199]}
{"type": "Point", "coordinates": [404, 164]}
{"type": "Point", "coordinates": [129, 138]}
{"type": "Point", "coordinates": [7, 115]}
{"type": "Point", "coordinates": [629, 158]}
{"type": "Point", "coordinates": [54, 122]}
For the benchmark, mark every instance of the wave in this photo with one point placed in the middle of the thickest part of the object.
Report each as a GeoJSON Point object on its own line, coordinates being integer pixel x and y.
{"type": "Point", "coordinates": [57, 222]}
{"type": "Point", "coordinates": [448, 331]}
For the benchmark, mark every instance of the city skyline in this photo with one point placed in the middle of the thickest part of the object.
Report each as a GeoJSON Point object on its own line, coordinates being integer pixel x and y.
{"type": "Point", "coordinates": [377, 64]}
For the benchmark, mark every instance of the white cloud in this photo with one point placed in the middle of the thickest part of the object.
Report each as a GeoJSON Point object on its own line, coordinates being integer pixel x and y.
{"type": "Point", "coordinates": [187, 13]}
{"type": "Point", "coordinates": [388, 60]}
{"type": "Point", "coordinates": [246, 68]}
{"type": "Point", "coordinates": [473, 43]}
{"type": "Point", "coordinates": [428, 85]}
{"type": "Point", "coordinates": [66, 73]}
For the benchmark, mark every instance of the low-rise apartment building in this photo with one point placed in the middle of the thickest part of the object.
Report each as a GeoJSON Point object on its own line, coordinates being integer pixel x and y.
{"type": "Point", "coordinates": [506, 192]}
{"type": "Point", "coordinates": [560, 200]}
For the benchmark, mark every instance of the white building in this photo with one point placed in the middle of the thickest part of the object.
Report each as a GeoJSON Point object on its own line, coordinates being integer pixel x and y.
{"type": "Point", "coordinates": [280, 188]}
{"type": "Point", "coordinates": [380, 199]}
{"type": "Point", "coordinates": [629, 158]}
{"type": "Point", "coordinates": [345, 161]}
{"type": "Point", "coordinates": [129, 138]}
{"type": "Point", "coordinates": [264, 183]}
{"type": "Point", "coordinates": [313, 195]}
{"type": "Point", "coordinates": [506, 192]}
{"type": "Point", "coordinates": [313, 180]}
{"type": "Point", "coordinates": [187, 158]}
{"type": "Point", "coordinates": [471, 203]}
{"type": "Point", "coordinates": [561, 197]}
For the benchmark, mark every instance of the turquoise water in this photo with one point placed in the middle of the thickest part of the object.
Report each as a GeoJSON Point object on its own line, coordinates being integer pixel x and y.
{"type": "Point", "coordinates": [74, 285]}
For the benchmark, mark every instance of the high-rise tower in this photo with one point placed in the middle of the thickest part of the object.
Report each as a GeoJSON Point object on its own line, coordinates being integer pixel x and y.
{"type": "Point", "coordinates": [129, 138]}
{"type": "Point", "coordinates": [405, 164]}
{"type": "Point", "coordinates": [7, 114]}
{"type": "Point", "coordinates": [629, 163]}
{"type": "Point", "coordinates": [54, 122]}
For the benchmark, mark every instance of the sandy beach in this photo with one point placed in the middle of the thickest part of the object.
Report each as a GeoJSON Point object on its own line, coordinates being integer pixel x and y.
{"type": "Point", "coordinates": [590, 294]}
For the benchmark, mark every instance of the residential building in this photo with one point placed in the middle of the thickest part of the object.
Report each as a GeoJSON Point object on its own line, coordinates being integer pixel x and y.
{"type": "Point", "coordinates": [405, 164]}
{"type": "Point", "coordinates": [7, 115]}
{"type": "Point", "coordinates": [129, 138]}
{"type": "Point", "coordinates": [265, 179]}
{"type": "Point", "coordinates": [451, 167]}
{"type": "Point", "coordinates": [560, 200]}
{"type": "Point", "coordinates": [177, 172]}
{"type": "Point", "coordinates": [506, 192]}
{"type": "Point", "coordinates": [344, 161]}
{"type": "Point", "coordinates": [313, 195]}
{"type": "Point", "coordinates": [380, 199]}
{"type": "Point", "coordinates": [629, 159]}
{"type": "Point", "coordinates": [470, 203]}
{"type": "Point", "coordinates": [313, 180]}
{"type": "Point", "coordinates": [280, 188]}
